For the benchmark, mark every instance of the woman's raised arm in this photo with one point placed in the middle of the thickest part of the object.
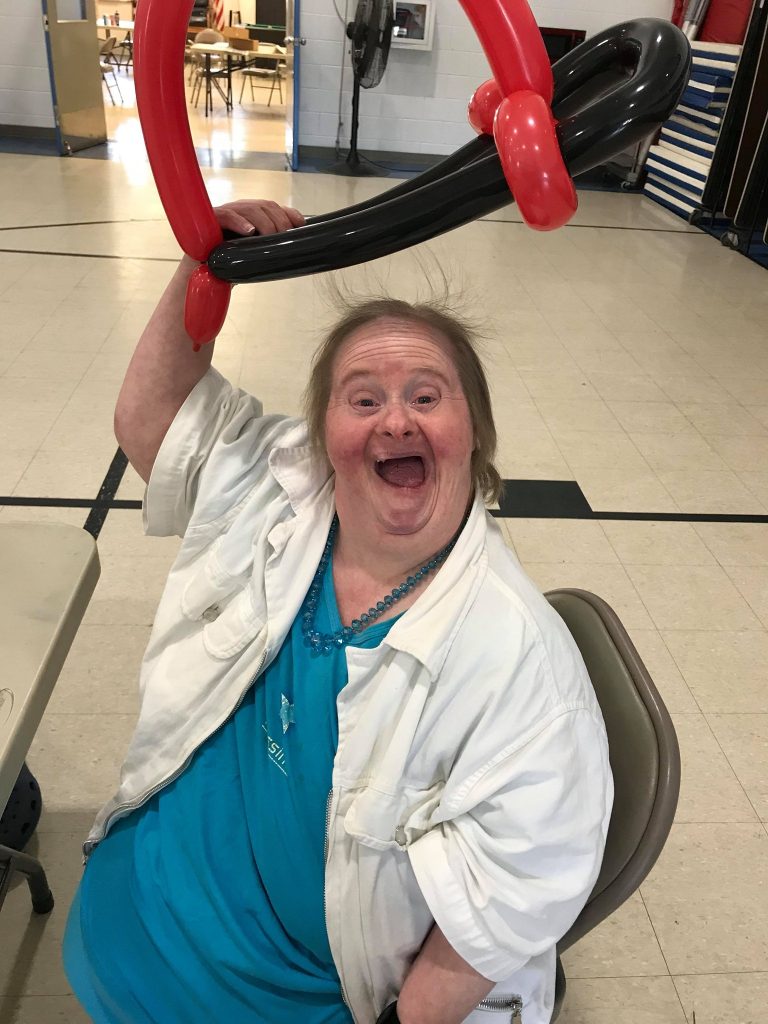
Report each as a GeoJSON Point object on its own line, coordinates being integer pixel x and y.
{"type": "Point", "coordinates": [164, 368]}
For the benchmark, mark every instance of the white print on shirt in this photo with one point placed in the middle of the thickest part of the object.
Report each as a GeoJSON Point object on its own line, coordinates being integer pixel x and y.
{"type": "Point", "coordinates": [275, 752]}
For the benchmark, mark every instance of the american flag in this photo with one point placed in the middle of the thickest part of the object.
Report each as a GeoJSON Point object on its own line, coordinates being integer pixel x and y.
{"type": "Point", "coordinates": [218, 14]}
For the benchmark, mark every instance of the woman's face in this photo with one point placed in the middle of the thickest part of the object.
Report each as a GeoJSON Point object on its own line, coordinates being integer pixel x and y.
{"type": "Point", "coordinates": [399, 433]}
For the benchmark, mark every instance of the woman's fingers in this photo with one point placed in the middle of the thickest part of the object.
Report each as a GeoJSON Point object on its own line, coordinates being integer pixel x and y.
{"type": "Point", "coordinates": [230, 220]}
{"type": "Point", "coordinates": [262, 217]}
{"type": "Point", "coordinates": [296, 218]}
{"type": "Point", "coordinates": [278, 216]}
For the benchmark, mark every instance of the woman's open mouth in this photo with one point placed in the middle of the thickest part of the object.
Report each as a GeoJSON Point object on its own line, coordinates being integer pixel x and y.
{"type": "Point", "coordinates": [407, 471]}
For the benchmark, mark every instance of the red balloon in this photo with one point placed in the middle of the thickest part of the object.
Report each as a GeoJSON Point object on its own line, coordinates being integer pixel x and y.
{"type": "Point", "coordinates": [206, 306]}
{"type": "Point", "coordinates": [159, 40]}
{"type": "Point", "coordinates": [525, 136]}
{"type": "Point", "coordinates": [513, 45]}
{"type": "Point", "coordinates": [483, 107]}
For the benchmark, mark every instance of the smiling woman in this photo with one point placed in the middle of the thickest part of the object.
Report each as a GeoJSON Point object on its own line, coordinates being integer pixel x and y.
{"type": "Point", "coordinates": [370, 777]}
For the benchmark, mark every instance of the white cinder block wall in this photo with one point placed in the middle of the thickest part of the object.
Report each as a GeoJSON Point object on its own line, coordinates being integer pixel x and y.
{"type": "Point", "coordinates": [25, 88]}
{"type": "Point", "coordinates": [421, 104]}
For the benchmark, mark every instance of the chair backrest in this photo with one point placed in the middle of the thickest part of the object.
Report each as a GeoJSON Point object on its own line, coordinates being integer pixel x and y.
{"type": "Point", "coordinates": [107, 46]}
{"type": "Point", "coordinates": [645, 757]}
{"type": "Point", "coordinates": [209, 35]}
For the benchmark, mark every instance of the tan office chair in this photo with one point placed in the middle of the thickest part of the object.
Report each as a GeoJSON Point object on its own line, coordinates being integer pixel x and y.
{"type": "Point", "coordinates": [645, 759]}
{"type": "Point", "coordinates": [106, 51]}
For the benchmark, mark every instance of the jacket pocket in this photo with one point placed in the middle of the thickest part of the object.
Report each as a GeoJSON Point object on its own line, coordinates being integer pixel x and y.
{"type": "Point", "coordinates": [229, 630]}
{"type": "Point", "coordinates": [386, 820]}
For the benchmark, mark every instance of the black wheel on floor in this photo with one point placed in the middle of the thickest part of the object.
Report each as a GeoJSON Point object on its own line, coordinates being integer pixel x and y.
{"type": "Point", "coordinates": [20, 817]}
{"type": "Point", "coordinates": [696, 218]}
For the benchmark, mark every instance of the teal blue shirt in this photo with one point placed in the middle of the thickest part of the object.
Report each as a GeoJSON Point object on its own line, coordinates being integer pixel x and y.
{"type": "Point", "coordinates": [206, 904]}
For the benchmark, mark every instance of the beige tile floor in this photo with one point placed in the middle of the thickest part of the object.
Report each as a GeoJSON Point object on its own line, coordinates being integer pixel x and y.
{"type": "Point", "coordinates": [251, 126]}
{"type": "Point", "coordinates": [627, 352]}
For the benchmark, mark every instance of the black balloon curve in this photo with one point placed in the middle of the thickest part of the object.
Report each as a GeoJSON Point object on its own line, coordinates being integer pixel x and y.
{"type": "Point", "coordinates": [611, 92]}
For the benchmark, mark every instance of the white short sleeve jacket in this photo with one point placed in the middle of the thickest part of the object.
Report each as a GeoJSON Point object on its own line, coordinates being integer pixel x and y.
{"type": "Point", "coordinates": [471, 785]}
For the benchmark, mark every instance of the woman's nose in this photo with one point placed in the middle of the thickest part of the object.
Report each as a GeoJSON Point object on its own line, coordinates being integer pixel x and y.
{"type": "Point", "coordinates": [397, 420]}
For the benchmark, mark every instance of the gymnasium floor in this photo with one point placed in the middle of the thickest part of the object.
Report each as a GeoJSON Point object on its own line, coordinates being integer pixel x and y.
{"type": "Point", "coordinates": [629, 361]}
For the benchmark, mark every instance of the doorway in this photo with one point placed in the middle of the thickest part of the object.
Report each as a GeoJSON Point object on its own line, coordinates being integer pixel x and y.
{"type": "Point", "coordinates": [239, 100]}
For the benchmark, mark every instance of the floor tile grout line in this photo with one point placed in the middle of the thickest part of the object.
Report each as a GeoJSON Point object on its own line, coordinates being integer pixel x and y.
{"type": "Point", "coordinates": [653, 929]}
{"type": "Point", "coordinates": [757, 614]}
{"type": "Point", "coordinates": [735, 773]}
{"type": "Point", "coordinates": [680, 670]}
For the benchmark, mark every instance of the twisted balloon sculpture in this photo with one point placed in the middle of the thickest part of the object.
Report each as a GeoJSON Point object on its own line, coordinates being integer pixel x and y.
{"type": "Point", "coordinates": [537, 127]}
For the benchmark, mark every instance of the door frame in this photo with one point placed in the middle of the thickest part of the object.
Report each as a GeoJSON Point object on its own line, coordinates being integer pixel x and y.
{"type": "Point", "coordinates": [293, 156]}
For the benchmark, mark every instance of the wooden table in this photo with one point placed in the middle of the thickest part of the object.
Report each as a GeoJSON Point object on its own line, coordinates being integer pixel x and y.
{"type": "Point", "coordinates": [244, 57]}
{"type": "Point", "coordinates": [48, 573]}
{"type": "Point", "coordinates": [125, 26]}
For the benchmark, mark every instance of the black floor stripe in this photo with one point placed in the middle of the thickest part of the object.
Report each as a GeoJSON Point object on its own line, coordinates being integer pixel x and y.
{"type": "Point", "coordinates": [601, 227]}
{"type": "Point", "coordinates": [564, 499]}
{"type": "Point", "coordinates": [106, 496]}
{"type": "Point", "coordinates": [35, 502]}
{"type": "Point", "coordinates": [521, 499]}
{"type": "Point", "coordinates": [543, 499]}
{"type": "Point", "coordinates": [92, 255]}
{"type": "Point", "coordinates": [81, 223]}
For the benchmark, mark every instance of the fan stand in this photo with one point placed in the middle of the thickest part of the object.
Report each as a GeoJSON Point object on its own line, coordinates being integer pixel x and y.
{"type": "Point", "coordinates": [354, 165]}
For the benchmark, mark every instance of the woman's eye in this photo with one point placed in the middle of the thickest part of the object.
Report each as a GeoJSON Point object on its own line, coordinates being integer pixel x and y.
{"type": "Point", "coordinates": [425, 400]}
{"type": "Point", "coordinates": [365, 403]}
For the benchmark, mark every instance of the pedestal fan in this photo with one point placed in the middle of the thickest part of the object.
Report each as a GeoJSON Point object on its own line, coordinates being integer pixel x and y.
{"type": "Point", "coordinates": [370, 34]}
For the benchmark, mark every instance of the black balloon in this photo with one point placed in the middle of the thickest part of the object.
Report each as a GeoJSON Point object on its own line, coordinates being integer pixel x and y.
{"type": "Point", "coordinates": [611, 92]}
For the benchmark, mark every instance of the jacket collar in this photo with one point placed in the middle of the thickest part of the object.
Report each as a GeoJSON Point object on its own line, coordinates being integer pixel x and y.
{"type": "Point", "coordinates": [299, 469]}
{"type": "Point", "coordinates": [427, 630]}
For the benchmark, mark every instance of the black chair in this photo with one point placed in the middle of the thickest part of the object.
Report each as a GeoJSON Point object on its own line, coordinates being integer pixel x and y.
{"type": "Point", "coordinates": [645, 760]}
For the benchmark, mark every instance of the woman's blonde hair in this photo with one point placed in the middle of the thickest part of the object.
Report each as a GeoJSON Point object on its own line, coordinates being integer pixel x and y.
{"type": "Point", "coordinates": [461, 336]}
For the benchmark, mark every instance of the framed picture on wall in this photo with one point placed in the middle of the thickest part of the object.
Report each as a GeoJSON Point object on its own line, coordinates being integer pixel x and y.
{"type": "Point", "coordinates": [414, 24]}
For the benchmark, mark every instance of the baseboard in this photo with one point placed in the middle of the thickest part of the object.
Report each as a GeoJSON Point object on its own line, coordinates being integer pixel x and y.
{"type": "Point", "coordinates": [390, 161]}
{"type": "Point", "coordinates": [25, 131]}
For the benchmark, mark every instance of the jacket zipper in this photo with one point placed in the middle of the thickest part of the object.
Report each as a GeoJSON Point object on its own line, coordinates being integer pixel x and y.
{"type": "Point", "coordinates": [88, 848]}
{"type": "Point", "coordinates": [508, 1004]}
{"type": "Point", "coordinates": [328, 803]}
{"type": "Point", "coordinates": [328, 807]}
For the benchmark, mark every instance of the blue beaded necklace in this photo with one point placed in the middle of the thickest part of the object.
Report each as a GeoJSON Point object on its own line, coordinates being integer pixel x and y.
{"type": "Point", "coordinates": [324, 643]}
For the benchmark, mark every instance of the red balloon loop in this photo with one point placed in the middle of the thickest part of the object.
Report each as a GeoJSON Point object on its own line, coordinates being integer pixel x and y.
{"type": "Point", "coordinates": [513, 45]}
{"type": "Point", "coordinates": [483, 106]}
{"type": "Point", "coordinates": [524, 131]}
{"type": "Point", "coordinates": [159, 41]}
{"type": "Point", "coordinates": [206, 306]}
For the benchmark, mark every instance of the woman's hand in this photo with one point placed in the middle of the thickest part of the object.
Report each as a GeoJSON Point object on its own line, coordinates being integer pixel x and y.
{"type": "Point", "coordinates": [257, 217]}
{"type": "Point", "coordinates": [249, 217]}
